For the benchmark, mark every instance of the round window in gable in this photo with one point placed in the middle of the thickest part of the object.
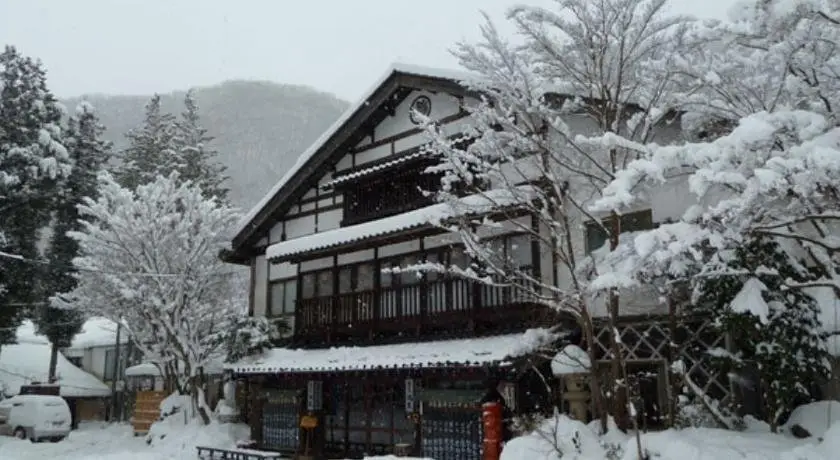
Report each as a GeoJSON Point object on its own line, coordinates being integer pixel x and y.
{"type": "Point", "coordinates": [421, 105]}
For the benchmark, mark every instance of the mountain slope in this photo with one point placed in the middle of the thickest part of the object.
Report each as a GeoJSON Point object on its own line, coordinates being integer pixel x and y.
{"type": "Point", "coordinates": [260, 127]}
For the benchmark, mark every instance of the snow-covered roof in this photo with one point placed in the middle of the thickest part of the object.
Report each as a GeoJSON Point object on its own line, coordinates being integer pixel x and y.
{"type": "Point", "coordinates": [150, 370]}
{"type": "Point", "coordinates": [431, 215]}
{"type": "Point", "coordinates": [340, 179]}
{"type": "Point", "coordinates": [26, 334]}
{"type": "Point", "coordinates": [24, 363]}
{"type": "Point", "coordinates": [96, 332]}
{"type": "Point", "coordinates": [498, 350]}
{"type": "Point", "coordinates": [395, 68]}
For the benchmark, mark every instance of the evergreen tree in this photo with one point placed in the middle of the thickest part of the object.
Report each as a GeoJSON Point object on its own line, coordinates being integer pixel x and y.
{"type": "Point", "coordinates": [32, 161]}
{"type": "Point", "coordinates": [151, 150]}
{"type": "Point", "coordinates": [197, 161]}
{"type": "Point", "coordinates": [88, 154]}
{"type": "Point", "coordinates": [774, 329]}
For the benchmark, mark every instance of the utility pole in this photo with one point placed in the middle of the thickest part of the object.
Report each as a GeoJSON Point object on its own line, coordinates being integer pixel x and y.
{"type": "Point", "coordinates": [114, 376]}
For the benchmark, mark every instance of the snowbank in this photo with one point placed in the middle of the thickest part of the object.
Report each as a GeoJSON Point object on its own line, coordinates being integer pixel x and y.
{"type": "Point", "coordinates": [556, 438]}
{"type": "Point", "coordinates": [716, 444]}
{"type": "Point", "coordinates": [24, 363]}
{"type": "Point", "coordinates": [179, 440]}
{"type": "Point", "coordinates": [815, 417]}
{"type": "Point", "coordinates": [561, 438]}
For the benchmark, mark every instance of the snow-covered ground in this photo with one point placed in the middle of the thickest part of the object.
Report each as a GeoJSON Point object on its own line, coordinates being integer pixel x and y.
{"type": "Point", "coordinates": [568, 439]}
{"type": "Point", "coordinates": [95, 441]}
{"type": "Point", "coordinates": [576, 440]}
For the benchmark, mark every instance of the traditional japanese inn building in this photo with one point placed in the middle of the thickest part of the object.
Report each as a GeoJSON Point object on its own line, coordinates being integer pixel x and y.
{"type": "Point", "coordinates": [380, 358]}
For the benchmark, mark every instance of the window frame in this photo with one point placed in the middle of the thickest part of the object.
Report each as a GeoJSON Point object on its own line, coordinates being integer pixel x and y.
{"type": "Point", "coordinates": [112, 354]}
{"type": "Point", "coordinates": [285, 282]}
{"type": "Point", "coordinates": [635, 221]}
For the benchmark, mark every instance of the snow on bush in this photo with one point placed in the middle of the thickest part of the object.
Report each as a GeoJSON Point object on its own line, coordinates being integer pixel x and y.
{"type": "Point", "coordinates": [179, 440]}
{"type": "Point", "coordinates": [816, 417]}
{"type": "Point", "coordinates": [558, 437]}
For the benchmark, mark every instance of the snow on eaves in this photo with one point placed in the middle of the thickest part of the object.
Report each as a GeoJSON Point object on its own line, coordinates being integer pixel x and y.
{"type": "Point", "coordinates": [379, 167]}
{"type": "Point", "coordinates": [432, 215]}
{"type": "Point", "coordinates": [25, 363]}
{"type": "Point", "coordinates": [409, 69]}
{"type": "Point", "coordinates": [497, 350]}
{"type": "Point", "coordinates": [215, 367]}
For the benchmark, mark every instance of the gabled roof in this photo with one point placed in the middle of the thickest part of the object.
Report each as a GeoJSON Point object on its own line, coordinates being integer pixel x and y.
{"type": "Point", "coordinates": [284, 191]}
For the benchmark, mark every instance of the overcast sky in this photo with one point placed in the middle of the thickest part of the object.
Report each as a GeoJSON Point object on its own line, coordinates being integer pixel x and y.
{"type": "Point", "coordinates": [340, 46]}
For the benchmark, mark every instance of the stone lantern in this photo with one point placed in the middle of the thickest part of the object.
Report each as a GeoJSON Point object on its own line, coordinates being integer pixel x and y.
{"type": "Point", "coordinates": [572, 366]}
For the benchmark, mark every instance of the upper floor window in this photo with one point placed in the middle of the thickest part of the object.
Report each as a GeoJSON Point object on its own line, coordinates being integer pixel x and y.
{"type": "Point", "coordinates": [111, 370]}
{"type": "Point", "coordinates": [390, 194]}
{"type": "Point", "coordinates": [596, 236]}
{"type": "Point", "coordinates": [512, 252]}
{"type": "Point", "coordinates": [282, 298]}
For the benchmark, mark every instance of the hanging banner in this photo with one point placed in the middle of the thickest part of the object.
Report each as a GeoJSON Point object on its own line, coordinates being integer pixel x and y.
{"type": "Point", "coordinates": [410, 405]}
{"type": "Point", "coordinates": [314, 395]}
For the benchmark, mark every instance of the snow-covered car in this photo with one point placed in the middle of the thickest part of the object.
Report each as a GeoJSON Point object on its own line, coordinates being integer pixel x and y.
{"type": "Point", "coordinates": [35, 417]}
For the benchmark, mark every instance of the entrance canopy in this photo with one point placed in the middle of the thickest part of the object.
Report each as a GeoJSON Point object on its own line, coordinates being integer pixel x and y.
{"type": "Point", "coordinates": [476, 352]}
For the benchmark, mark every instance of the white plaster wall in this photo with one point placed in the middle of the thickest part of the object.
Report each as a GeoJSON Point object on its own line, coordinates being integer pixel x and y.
{"type": "Point", "coordinates": [282, 270]}
{"type": "Point", "coordinates": [443, 105]}
{"type": "Point", "coordinates": [300, 226]}
{"type": "Point", "coordinates": [353, 257]}
{"type": "Point", "coordinates": [399, 248]}
{"type": "Point", "coordinates": [88, 361]}
{"type": "Point", "coordinates": [276, 233]}
{"type": "Point", "coordinates": [329, 220]}
{"type": "Point", "coordinates": [260, 286]}
{"type": "Point", "coordinates": [344, 162]}
{"type": "Point", "coordinates": [316, 264]}
{"type": "Point", "coordinates": [97, 362]}
{"type": "Point", "coordinates": [366, 156]}
{"type": "Point", "coordinates": [444, 239]}
{"type": "Point", "coordinates": [327, 177]}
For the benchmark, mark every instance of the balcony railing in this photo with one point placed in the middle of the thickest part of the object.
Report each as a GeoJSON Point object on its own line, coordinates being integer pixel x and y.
{"type": "Point", "coordinates": [406, 306]}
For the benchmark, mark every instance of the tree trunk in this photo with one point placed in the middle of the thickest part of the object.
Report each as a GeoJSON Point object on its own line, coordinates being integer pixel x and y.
{"type": "Point", "coordinates": [199, 398]}
{"type": "Point", "coordinates": [51, 375]}
{"type": "Point", "coordinates": [618, 370]}
{"type": "Point", "coordinates": [673, 356]}
{"type": "Point", "coordinates": [595, 386]}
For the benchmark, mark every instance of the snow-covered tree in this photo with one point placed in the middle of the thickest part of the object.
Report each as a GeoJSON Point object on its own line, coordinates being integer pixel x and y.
{"type": "Point", "coordinates": [198, 162]}
{"type": "Point", "coordinates": [88, 154]}
{"type": "Point", "coordinates": [775, 332]}
{"type": "Point", "coordinates": [151, 148]}
{"type": "Point", "coordinates": [149, 259]}
{"type": "Point", "coordinates": [558, 113]}
{"type": "Point", "coordinates": [32, 161]}
{"type": "Point", "coordinates": [773, 173]}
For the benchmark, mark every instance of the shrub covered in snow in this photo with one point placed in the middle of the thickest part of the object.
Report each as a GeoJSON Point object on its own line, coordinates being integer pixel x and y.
{"type": "Point", "coordinates": [774, 328]}
{"type": "Point", "coordinates": [557, 437]}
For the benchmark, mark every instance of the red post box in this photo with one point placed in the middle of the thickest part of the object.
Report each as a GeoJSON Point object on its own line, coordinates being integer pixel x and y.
{"type": "Point", "coordinates": [491, 417]}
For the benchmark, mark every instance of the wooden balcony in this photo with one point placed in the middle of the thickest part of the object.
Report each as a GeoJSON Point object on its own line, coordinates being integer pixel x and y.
{"type": "Point", "coordinates": [453, 304]}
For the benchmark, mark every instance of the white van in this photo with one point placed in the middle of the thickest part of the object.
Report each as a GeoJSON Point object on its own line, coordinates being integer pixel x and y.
{"type": "Point", "coordinates": [35, 417]}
